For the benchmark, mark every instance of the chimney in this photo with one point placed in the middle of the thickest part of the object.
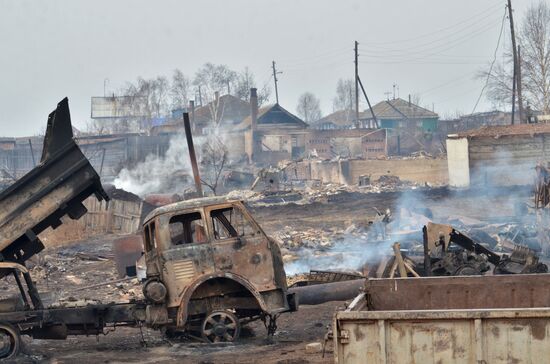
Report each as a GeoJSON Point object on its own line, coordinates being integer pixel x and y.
{"type": "Point", "coordinates": [217, 96]}
{"type": "Point", "coordinates": [253, 108]}
{"type": "Point", "coordinates": [409, 100]}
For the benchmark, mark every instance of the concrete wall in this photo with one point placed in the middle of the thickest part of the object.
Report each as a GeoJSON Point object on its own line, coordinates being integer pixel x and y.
{"type": "Point", "coordinates": [458, 162]}
{"type": "Point", "coordinates": [415, 170]}
{"type": "Point", "coordinates": [506, 160]}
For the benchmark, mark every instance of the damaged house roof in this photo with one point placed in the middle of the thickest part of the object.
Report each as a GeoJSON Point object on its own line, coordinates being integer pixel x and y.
{"type": "Point", "coordinates": [274, 115]}
{"type": "Point", "coordinates": [496, 131]}
{"type": "Point", "coordinates": [340, 119]}
{"type": "Point", "coordinates": [232, 110]}
{"type": "Point", "coordinates": [401, 109]}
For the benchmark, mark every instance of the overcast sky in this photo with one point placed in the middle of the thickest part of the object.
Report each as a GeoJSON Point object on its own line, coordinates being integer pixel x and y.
{"type": "Point", "coordinates": [52, 49]}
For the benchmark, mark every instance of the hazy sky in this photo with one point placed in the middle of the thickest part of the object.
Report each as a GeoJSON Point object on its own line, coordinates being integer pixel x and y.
{"type": "Point", "coordinates": [52, 49]}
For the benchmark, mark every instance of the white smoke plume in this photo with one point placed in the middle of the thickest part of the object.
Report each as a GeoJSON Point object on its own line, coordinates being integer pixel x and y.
{"type": "Point", "coordinates": [168, 173]}
{"type": "Point", "coordinates": [156, 173]}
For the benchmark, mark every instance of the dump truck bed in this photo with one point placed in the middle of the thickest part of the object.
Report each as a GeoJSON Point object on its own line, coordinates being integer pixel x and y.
{"type": "Point", "coordinates": [466, 319]}
{"type": "Point", "coordinates": [54, 188]}
{"type": "Point", "coordinates": [443, 336]}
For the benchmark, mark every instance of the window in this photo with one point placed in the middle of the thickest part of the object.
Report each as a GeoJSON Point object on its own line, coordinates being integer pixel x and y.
{"type": "Point", "coordinates": [187, 229]}
{"type": "Point", "coordinates": [150, 241]}
{"type": "Point", "coordinates": [230, 223]}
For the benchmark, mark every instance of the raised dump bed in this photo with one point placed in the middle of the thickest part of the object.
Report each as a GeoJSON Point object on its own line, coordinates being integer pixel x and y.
{"type": "Point", "coordinates": [481, 319]}
{"type": "Point", "coordinates": [54, 188]}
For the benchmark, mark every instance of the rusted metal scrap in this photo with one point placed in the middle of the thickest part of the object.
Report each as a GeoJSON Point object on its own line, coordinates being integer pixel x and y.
{"type": "Point", "coordinates": [321, 276]}
{"type": "Point", "coordinates": [473, 258]}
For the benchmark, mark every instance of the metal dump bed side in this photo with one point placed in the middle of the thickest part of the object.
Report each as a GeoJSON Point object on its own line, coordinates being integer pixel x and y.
{"type": "Point", "coordinates": [463, 319]}
{"type": "Point", "coordinates": [494, 336]}
{"type": "Point", "coordinates": [54, 188]}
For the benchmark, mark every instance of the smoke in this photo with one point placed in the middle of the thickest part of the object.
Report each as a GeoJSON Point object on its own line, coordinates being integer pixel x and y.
{"type": "Point", "coordinates": [159, 174]}
{"type": "Point", "coordinates": [499, 187]}
{"type": "Point", "coordinates": [171, 172]}
{"type": "Point", "coordinates": [351, 253]}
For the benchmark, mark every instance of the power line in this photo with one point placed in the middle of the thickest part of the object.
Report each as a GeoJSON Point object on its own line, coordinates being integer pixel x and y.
{"type": "Point", "coordinates": [440, 48]}
{"type": "Point", "coordinates": [492, 63]}
{"type": "Point", "coordinates": [470, 19]}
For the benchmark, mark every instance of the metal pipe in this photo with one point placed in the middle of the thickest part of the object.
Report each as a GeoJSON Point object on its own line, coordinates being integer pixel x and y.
{"type": "Point", "coordinates": [192, 156]}
{"type": "Point", "coordinates": [321, 293]}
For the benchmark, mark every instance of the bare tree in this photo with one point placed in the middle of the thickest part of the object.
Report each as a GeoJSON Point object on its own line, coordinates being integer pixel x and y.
{"type": "Point", "coordinates": [345, 98]}
{"type": "Point", "coordinates": [246, 81]}
{"type": "Point", "coordinates": [213, 80]}
{"type": "Point", "coordinates": [534, 40]}
{"type": "Point", "coordinates": [213, 158]}
{"type": "Point", "coordinates": [179, 90]}
{"type": "Point", "coordinates": [416, 99]}
{"type": "Point", "coordinates": [148, 98]}
{"type": "Point", "coordinates": [308, 107]}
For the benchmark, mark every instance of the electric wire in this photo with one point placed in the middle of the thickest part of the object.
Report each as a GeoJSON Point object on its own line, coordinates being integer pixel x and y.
{"type": "Point", "coordinates": [492, 63]}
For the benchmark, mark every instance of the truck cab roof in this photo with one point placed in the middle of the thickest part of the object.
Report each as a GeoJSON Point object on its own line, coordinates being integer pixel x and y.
{"type": "Point", "coordinates": [188, 204]}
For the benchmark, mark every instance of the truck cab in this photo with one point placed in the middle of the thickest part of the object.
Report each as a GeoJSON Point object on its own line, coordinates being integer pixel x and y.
{"type": "Point", "coordinates": [211, 267]}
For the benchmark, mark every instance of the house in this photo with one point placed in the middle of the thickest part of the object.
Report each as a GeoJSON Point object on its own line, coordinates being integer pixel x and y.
{"type": "Point", "coordinates": [347, 143]}
{"type": "Point", "coordinates": [476, 120]}
{"type": "Point", "coordinates": [401, 114]}
{"type": "Point", "coordinates": [271, 133]}
{"type": "Point", "coordinates": [503, 155]}
{"type": "Point", "coordinates": [344, 119]}
{"type": "Point", "coordinates": [224, 111]}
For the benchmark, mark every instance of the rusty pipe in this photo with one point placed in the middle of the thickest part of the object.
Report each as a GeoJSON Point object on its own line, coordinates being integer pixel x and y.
{"type": "Point", "coordinates": [192, 156]}
{"type": "Point", "coordinates": [326, 292]}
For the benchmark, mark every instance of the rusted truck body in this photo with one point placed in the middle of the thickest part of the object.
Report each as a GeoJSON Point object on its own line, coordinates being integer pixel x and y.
{"type": "Point", "coordinates": [209, 257]}
{"type": "Point", "coordinates": [475, 319]}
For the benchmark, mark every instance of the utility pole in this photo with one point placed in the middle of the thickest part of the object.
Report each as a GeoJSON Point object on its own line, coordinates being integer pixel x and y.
{"type": "Point", "coordinates": [516, 65]}
{"type": "Point", "coordinates": [520, 98]}
{"type": "Point", "coordinates": [275, 73]}
{"type": "Point", "coordinates": [356, 82]}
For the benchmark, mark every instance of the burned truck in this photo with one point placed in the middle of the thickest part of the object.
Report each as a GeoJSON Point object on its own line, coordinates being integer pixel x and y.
{"type": "Point", "coordinates": [210, 267]}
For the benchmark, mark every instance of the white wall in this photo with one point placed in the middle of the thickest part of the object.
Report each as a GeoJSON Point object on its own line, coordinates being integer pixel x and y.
{"type": "Point", "coordinates": [458, 162]}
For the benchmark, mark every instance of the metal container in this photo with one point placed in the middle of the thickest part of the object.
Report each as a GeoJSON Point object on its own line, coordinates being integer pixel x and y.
{"type": "Point", "coordinates": [443, 336]}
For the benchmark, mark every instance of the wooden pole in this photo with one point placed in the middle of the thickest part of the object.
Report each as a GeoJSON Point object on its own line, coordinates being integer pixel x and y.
{"type": "Point", "coordinates": [399, 259]}
{"type": "Point", "coordinates": [275, 80]}
{"type": "Point", "coordinates": [515, 54]}
{"type": "Point", "coordinates": [356, 50]}
{"type": "Point", "coordinates": [519, 88]}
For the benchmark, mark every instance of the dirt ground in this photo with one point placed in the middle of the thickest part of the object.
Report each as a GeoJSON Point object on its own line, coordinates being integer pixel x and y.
{"type": "Point", "coordinates": [125, 344]}
{"type": "Point", "coordinates": [74, 267]}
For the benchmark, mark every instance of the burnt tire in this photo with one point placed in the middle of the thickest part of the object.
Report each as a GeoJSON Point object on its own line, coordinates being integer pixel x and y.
{"type": "Point", "coordinates": [10, 341]}
{"type": "Point", "coordinates": [221, 326]}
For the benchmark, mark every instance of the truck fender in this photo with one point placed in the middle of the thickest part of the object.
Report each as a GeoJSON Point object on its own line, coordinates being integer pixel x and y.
{"type": "Point", "coordinates": [188, 293]}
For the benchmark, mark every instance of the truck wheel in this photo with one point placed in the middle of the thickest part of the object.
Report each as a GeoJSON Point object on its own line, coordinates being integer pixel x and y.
{"type": "Point", "coordinates": [221, 326]}
{"type": "Point", "coordinates": [10, 341]}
